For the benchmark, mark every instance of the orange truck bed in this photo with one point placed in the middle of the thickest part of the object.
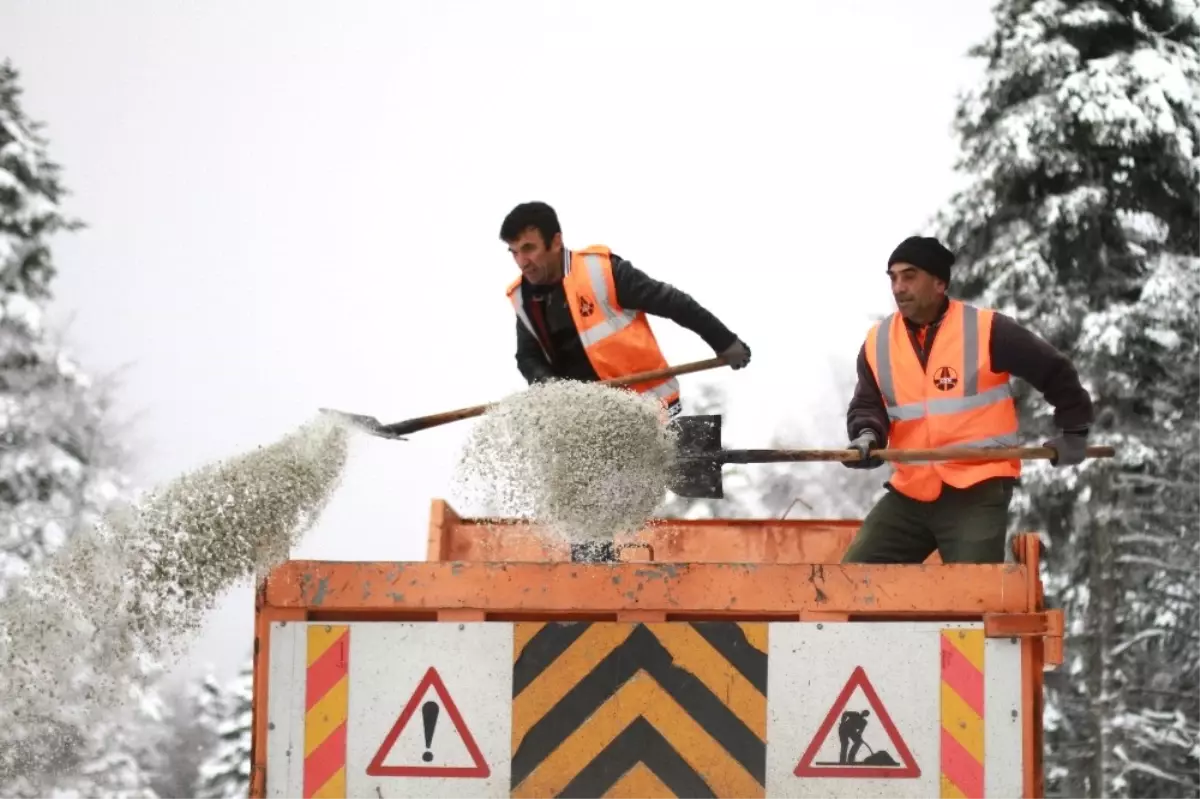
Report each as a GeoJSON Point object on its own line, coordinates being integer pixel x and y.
{"type": "Point", "coordinates": [715, 658]}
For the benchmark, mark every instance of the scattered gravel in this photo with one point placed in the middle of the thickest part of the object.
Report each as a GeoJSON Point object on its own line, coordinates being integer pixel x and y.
{"type": "Point", "coordinates": [583, 461]}
{"type": "Point", "coordinates": [75, 635]}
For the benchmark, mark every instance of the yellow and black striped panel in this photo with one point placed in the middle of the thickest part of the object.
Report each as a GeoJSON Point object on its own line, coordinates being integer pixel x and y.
{"type": "Point", "coordinates": [674, 709]}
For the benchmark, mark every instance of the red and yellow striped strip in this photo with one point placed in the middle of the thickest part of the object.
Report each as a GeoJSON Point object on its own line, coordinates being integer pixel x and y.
{"type": "Point", "coordinates": [962, 714]}
{"type": "Point", "coordinates": [326, 696]}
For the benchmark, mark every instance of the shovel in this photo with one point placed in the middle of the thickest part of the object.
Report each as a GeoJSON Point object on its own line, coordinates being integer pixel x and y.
{"type": "Point", "coordinates": [700, 457]}
{"type": "Point", "coordinates": [398, 430]}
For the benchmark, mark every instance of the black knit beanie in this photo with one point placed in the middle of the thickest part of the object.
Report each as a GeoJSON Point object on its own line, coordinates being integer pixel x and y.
{"type": "Point", "coordinates": [924, 253]}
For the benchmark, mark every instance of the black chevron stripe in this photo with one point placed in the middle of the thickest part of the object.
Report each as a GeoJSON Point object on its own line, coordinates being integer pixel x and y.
{"type": "Point", "coordinates": [640, 651]}
{"type": "Point", "coordinates": [637, 743]}
{"type": "Point", "coordinates": [730, 640]}
{"type": "Point", "coordinates": [554, 638]}
{"type": "Point", "coordinates": [543, 649]}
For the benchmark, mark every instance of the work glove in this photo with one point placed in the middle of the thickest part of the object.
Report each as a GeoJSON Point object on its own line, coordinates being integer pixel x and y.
{"type": "Point", "coordinates": [737, 355]}
{"type": "Point", "coordinates": [1071, 448]}
{"type": "Point", "coordinates": [863, 443]}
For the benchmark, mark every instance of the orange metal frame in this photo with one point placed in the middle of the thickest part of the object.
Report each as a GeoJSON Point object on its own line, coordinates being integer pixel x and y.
{"type": "Point", "coordinates": [745, 570]}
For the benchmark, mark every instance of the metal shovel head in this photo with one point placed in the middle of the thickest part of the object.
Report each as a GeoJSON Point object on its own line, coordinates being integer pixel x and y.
{"type": "Point", "coordinates": [363, 422]}
{"type": "Point", "coordinates": [697, 473]}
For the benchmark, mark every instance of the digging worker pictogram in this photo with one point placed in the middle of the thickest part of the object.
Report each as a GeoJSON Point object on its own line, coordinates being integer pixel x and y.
{"type": "Point", "coordinates": [850, 733]}
{"type": "Point", "coordinates": [936, 374]}
{"type": "Point", "coordinates": [581, 315]}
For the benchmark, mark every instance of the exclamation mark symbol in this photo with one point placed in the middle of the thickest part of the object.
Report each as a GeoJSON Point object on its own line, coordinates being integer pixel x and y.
{"type": "Point", "coordinates": [429, 714]}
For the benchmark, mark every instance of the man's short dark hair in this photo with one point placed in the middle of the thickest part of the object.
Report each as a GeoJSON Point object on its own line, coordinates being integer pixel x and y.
{"type": "Point", "coordinates": [537, 215]}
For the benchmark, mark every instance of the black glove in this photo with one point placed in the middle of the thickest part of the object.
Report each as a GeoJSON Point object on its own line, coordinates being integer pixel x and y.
{"type": "Point", "coordinates": [863, 443]}
{"type": "Point", "coordinates": [1071, 448]}
{"type": "Point", "coordinates": [737, 355]}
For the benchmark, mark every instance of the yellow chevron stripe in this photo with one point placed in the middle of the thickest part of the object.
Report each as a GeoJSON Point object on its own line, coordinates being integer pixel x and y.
{"type": "Point", "coordinates": [688, 647]}
{"type": "Point", "coordinates": [950, 790]}
{"type": "Point", "coordinates": [522, 633]}
{"type": "Point", "coordinates": [326, 715]}
{"type": "Point", "coordinates": [756, 635]}
{"type": "Point", "coordinates": [334, 788]}
{"type": "Point", "coordinates": [638, 783]}
{"type": "Point", "coordinates": [963, 724]}
{"type": "Point", "coordinates": [970, 643]}
{"type": "Point", "coordinates": [321, 637]}
{"type": "Point", "coordinates": [571, 666]}
{"type": "Point", "coordinates": [640, 696]}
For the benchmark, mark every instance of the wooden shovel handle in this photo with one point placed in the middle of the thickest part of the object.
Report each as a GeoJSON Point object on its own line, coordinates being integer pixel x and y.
{"type": "Point", "coordinates": [979, 454]}
{"type": "Point", "coordinates": [425, 422]}
{"type": "Point", "coordinates": [898, 455]}
{"type": "Point", "coordinates": [670, 371]}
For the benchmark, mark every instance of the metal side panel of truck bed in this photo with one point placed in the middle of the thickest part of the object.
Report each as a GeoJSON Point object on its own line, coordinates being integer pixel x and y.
{"type": "Point", "coordinates": [768, 677]}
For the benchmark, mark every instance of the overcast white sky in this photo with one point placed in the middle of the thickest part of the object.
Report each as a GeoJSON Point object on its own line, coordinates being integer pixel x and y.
{"type": "Point", "coordinates": [296, 204]}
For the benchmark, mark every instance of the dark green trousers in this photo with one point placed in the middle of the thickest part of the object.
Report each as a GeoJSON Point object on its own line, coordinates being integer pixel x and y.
{"type": "Point", "coordinates": [966, 525]}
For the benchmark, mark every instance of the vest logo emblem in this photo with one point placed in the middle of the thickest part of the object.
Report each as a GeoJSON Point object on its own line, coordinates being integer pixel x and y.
{"type": "Point", "coordinates": [586, 307]}
{"type": "Point", "coordinates": [945, 378]}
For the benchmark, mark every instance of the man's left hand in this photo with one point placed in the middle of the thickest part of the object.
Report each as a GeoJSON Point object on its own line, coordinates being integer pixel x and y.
{"type": "Point", "coordinates": [1070, 449]}
{"type": "Point", "coordinates": [737, 355]}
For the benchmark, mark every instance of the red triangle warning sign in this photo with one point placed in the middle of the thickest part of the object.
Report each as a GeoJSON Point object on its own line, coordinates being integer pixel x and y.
{"type": "Point", "coordinates": [423, 748]}
{"type": "Point", "coordinates": [839, 753]}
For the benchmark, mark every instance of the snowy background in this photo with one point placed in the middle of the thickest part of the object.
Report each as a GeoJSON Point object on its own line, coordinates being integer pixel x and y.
{"type": "Point", "coordinates": [296, 205]}
{"type": "Point", "coordinates": [294, 209]}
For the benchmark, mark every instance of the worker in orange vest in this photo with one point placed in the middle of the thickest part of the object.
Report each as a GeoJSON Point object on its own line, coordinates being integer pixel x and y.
{"type": "Point", "coordinates": [581, 315]}
{"type": "Point", "coordinates": [936, 374]}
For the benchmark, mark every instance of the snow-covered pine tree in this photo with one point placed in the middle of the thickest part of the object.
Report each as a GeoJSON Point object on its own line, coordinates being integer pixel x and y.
{"type": "Point", "coordinates": [111, 763]}
{"type": "Point", "coordinates": [1080, 220]}
{"type": "Point", "coordinates": [50, 417]}
{"type": "Point", "coordinates": [187, 737]}
{"type": "Point", "coordinates": [225, 773]}
{"type": "Point", "coordinates": [60, 469]}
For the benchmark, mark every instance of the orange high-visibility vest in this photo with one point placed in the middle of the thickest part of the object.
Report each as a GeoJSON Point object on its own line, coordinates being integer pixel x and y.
{"type": "Point", "coordinates": [618, 342]}
{"type": "Point", "coordinates": [958, 401]}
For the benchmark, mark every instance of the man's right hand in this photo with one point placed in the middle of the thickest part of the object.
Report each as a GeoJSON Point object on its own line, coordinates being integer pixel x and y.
{"type": "Point", "coordinates": [863, 443]}
{"type": "Point", "coordinates": [737, 354]}
{"type": "Point", "coordinates": [1070, 449]}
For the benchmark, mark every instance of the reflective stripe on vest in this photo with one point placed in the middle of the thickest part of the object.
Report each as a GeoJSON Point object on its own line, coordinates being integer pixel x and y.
{"type": "Point", "coordinates": [615, 320]}
{"type": "Point", "coordinates": [971, 399]}
{"type": "Point", "coordinates": [987, 417]}
{"type": "Point", "coordinates": [666, 391]}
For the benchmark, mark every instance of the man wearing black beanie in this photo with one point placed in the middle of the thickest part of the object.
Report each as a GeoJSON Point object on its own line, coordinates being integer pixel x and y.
{"type": "Point", "coordinates": [936, 374]}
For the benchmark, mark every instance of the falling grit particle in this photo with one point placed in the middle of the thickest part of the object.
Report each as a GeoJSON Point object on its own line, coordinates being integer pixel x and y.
{"type": "Point", "coordinates": [583, 461]}
{"type": "Point", "coordinates": [72, 635]}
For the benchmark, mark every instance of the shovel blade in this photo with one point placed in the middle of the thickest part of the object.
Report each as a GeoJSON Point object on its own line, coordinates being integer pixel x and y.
{"type": "Point", "coordinates": [696, 478]}
{"type": "Point", "coordinates": [363, 422]}
{"type": "Point", "coordinates": [697, 473]}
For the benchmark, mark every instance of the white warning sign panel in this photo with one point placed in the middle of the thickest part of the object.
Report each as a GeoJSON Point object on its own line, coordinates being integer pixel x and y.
{"type": "Point", "coordinates": [430, 709]}
{"type": "Point", "coordinates": [853, 710]}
